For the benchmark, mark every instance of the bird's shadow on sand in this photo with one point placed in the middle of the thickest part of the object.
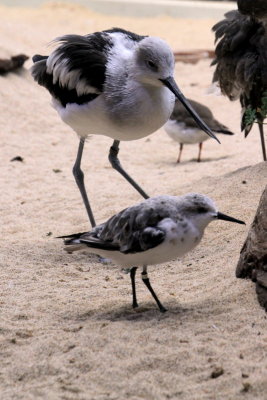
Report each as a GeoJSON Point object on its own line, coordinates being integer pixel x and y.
{"type": "Point", "coordinates": [146, 312]}
{"type": "Point", "coordinates": [108, 311]}
{"type": "Point", "coordinates": [194, 161]}
{"type": "Point", "coordinates": [149, 312]}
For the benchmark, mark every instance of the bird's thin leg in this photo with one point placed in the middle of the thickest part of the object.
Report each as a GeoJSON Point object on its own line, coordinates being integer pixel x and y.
{"type": "Point", "coordinates": [199, 153]}
{"type": "Point", "coordinates": [147, 283]}
{"type": "Point", "coordinates": [115, 162]}
{"type": "Point", "coordinates": [79, 178]}
{"type": "Point", "coordinates": [262, 141]}
{"type": "Point", "coordinates": [132, 273]}
{"type": "Point", "coordinates": [180, 153]}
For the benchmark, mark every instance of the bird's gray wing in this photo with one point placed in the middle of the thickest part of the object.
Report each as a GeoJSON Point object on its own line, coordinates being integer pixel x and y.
{"type": "Point", "coordinates": [91, 239]}
{"type": "Point", "coordinates": [133, 230]}
{"type": "Point", "coordinates": [180, 114]}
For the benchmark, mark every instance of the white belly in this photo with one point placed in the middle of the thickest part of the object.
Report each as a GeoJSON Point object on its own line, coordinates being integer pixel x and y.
{"type": "Point", "coordinates": [175, 245]}
{"type": "Point", "coordinates": [134, 118]}
{"type": "Point", "coordinates": [180, 133]}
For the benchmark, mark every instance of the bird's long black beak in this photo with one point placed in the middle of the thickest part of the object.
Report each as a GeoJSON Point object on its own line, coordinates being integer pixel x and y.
{"type": "Point", "coordinates": [171, 84]}
{"type": "Point", "coordinates": [228, 218]}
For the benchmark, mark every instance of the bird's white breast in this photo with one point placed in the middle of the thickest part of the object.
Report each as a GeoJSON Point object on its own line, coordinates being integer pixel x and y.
{"type": "Point", "coordinates": [178, 241]}
{"type": "Point", "coordinates": [180, 133]}
{"type": "Point", "coordinates": [138, 113]}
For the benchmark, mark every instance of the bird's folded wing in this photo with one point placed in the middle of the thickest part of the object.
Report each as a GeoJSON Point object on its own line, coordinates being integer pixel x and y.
{"type": "Point", "coordinates": [95, 243]}
{"type": "Point", "coordinates": [133, 230]}
{"type": "Point", "coordinates": [137, 242]}
{"type": "Point", "coordinates": [75, 71]}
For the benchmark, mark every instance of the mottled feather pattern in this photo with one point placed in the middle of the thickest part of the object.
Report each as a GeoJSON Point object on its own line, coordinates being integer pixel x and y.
{"type": "Point", "coordinates": [138, 228]}
{"type": "Point", "coordinates": [134, 229]}
{"type": "Point", "coordinates": [143, 222]}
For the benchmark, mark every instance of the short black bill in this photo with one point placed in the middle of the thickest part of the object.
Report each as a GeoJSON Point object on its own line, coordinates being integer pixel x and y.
{"type": "Point", "coordinates": [171, 84]}
{"type": "Point", "coordinates": [228, 218]}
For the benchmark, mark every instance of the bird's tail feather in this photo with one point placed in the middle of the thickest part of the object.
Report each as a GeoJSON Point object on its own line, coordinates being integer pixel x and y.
{"type": "Point", "coordinates": [72, 242]}
{"type": "Point", "coordinates": [69, 239]}
{"type": "Point", "coordinates": [225, 131]}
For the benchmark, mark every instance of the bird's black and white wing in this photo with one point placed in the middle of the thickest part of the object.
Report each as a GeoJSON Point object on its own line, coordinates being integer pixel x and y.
{"type": "Point", "coordinates": [75, 71]}
{"type": "Point", "coordinates": [241, 62]}
{"type": "Point", "coordinates": [135, 229]}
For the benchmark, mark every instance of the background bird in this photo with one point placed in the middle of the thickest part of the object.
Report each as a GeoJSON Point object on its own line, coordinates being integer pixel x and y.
{"type": "Point", "coordinates": [155, 231]}
{"type": "Point", "coordinates": [114, 83]}
{"type": "Point", "coordinates": [182, 128]}
{"type": "Point", "coordinates": [241, 61]}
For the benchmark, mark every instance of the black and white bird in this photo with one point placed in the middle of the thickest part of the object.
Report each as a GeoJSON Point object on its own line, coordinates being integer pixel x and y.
{"type": "Point", "coordinates": [182, 128]}
{"type": "Point", "coordinates": [241, 61]}
{"type": "Point", "coordinates": [114, 83]}
{"type": "Point", "coordinates": [155, 231]}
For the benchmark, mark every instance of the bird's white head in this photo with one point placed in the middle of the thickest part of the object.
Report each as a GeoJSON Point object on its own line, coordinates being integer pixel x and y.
{"type": "Point", "coordinates": [201, 210]}
{"type": "Point", "coordinates": [198, 208]}
{"type": "Point", "coordinates": [154, 66]}
{"type": "Point", "coordinates": [154, 60]}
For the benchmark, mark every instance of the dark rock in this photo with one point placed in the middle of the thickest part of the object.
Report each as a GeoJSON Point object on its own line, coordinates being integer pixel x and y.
{"type": "Point", "coordinates": [262, 295]}
{"type": "Point", "coordinates": [253, 256]}
{"type": "Point", "coordinates": [262, 278]}
{"type": "Point", "coordinates": [13, 63]}
{"type": "Point", "coordinates": [246, 387]}
{"type": "Point", "coordinates": [218, 371]}
{"type": "Point", "coordinates": [17, 158]}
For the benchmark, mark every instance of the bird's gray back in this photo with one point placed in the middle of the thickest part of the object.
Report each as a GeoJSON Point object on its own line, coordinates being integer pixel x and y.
{"type": "Point", "coordinates": [135, 228]}
{"type": "Point", "coordinates": [180, 114]}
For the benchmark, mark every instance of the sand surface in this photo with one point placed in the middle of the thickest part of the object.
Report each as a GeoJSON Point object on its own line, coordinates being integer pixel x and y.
{"type": "Point", "coordinates": [67, 330]}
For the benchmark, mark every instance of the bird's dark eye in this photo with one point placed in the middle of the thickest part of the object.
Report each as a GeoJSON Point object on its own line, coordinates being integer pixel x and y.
{"type": "Point", "coordinates": [152, 65]}
{"type": "Point", "coordinates": [201, 210]}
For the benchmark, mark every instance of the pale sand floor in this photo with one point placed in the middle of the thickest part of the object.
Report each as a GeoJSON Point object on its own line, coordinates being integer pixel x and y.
{"type": "Point", "coordinates": [67, 328]}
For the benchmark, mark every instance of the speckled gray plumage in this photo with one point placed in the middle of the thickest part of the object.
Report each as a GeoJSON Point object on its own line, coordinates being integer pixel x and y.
{"type": "Point", "coordinates": [136, 229]}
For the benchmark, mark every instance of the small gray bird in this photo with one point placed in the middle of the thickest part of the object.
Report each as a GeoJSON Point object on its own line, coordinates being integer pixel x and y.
{"type": "Point", "coordinates": [182, 128]}
{"type": "Point", "coordinates": [155, 231]}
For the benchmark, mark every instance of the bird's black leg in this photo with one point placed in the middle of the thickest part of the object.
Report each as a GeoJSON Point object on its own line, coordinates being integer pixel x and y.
{"type": "Point", "coordinates": [147, 283]}
{"type": "Point", "coordinates": [199, 152]}
{"type": "Point", "coordinates": [79, 178]}
{"type": "Point", "coordinates": [262, 141]}
{"type": "Point", "coordinates": [115, 162]}
{"type": "Point", "coordinates": [180, 153]}
{"type": "Point", "coordinates": [132, 273]}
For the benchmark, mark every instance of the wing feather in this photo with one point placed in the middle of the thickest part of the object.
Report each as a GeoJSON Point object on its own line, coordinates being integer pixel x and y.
{"type": "Point", "coordinates": [133, 230]}
{"type": "Point", "coordinates": [75, 71]}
